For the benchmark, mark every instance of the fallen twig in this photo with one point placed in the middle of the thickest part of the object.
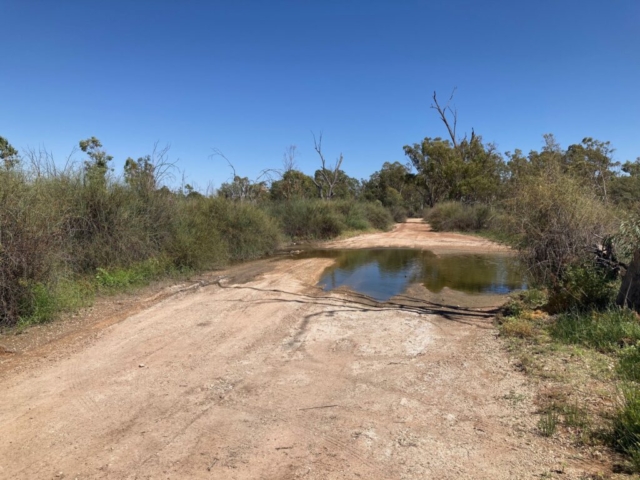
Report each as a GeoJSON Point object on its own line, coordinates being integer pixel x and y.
{"type": "Point", "coordinates": [215, 460]}
{"type": "Point", "coordinates": [321, 406]}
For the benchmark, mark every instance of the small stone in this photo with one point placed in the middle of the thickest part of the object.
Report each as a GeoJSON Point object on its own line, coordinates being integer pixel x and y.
{"type": "Point", "coordinates": [142, 365]}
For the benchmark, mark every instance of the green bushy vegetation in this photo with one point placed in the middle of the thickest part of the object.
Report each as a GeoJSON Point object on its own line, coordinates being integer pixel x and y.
{"type": "Point", "coordinates": [454, 216]}
{"type": "Point", "coordinates": [306, 219]}
{"type": "Point", "coordinates": [67, 234]}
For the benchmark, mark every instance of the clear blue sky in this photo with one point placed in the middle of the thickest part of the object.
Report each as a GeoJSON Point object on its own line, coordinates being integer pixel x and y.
{"type": "Point", "coordinates": [251, 77]}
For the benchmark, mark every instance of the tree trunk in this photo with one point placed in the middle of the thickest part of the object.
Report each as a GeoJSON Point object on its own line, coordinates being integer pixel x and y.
{"type": "Point", "coordinates": [629, 294]}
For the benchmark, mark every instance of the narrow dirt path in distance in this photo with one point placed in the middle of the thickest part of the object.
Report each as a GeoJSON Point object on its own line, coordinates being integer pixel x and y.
{"type": "Point", "coordinates": [262, 375]}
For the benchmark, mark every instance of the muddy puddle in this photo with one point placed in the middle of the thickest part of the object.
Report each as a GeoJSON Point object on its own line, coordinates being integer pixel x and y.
{"type": "Point", "coordinates": [384, 273]}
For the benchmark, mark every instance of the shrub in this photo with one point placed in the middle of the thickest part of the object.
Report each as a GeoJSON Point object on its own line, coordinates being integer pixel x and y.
{"type": "Point", "coordinates": [247, 231]}
{"type": "Point", "coordinates": [60, 229]}
{"type": "Point", "coordinates": [138, 274]}
{"type": "Point", "coordinates": [558, 222]}
{"type": "Point", "coordinates": [398, 213]}
{"type": "Point", "coordinates": [516, 327]}
{"type": "Point", "coordinates": [583, 286]}
{"type": "Point", "coordinates": [378, 216]}
{"type": "Point", "coordinates": [307, 219]}
{"type": "Point", "coordinates": [457, 216]}
{"type": "Point", "coordinates": [195, 243]}
{"type": "Point", "coordinates": [31, 244]}
{"type": "Point", "coordinates": [320, 220]}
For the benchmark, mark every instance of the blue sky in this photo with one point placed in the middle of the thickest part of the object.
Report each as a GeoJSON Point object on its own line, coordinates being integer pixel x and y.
{"type": "Point", "coordinates": [252, 77]}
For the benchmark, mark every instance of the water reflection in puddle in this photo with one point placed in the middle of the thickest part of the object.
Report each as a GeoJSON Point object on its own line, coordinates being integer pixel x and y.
{"type": "Point", "coordinates": [384, 273]}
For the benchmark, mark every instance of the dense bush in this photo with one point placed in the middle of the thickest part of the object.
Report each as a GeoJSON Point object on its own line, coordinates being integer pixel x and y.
{"type": "Point", "coordinates": [583, 286]}
{"type": "Point", "coordinates": [60, 227]}
{"type": "Point", "coordinates": [559, 223]}
{"type": "Point", "coordinates": [318, 219]}
{"type": "Point", "coordinates": [378, 216]}
{"type": "Point", "coordinates": [399, 213]}
{"type": "Point", "coordinates": [457, 216]}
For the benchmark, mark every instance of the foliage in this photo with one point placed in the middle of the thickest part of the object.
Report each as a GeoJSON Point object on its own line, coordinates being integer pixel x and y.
{"type": "Point", "coordinates": [97, 165]}
{"type": "Point", "coordinates": [137, 274]}
{"type": "Point", "coordinates": [469, 171]}
{"type": "Point", "coordinates": [456, 216]}
{"type": "Point", "coordinates": [399, 213]}
{"type": "Point", "coordinates": [243, 189]}
{"type": "Point", "coordinates": [9, 156]}
{"type": "Point", "coordinates": [344, 187]}
{"type": "Point", "coordinates": [395, 187]}
{"type": "Point", "coordinates": [293, 185]}
{"type": "Point", "coordinates": [559, 223]}
{"type": "Point", "coordinates": [319, 220]}
{"type": "Point", "coordinates": [583, 286]}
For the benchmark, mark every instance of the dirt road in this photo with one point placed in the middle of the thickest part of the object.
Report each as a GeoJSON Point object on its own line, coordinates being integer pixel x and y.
{"type": "Point", "coordinates": [263, 375]}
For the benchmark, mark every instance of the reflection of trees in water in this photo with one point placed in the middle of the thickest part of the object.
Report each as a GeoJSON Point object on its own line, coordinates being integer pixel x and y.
{"type": "Point", "coordinates": [389, 261]}
{"type": "Point", "coordinates": [468, 273]}
{"type": "Point", "coordinates": [471, 273]}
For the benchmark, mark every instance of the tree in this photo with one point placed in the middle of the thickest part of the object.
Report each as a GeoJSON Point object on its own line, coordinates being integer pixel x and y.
{"type": "Point", "coordinates": [592, 161]}
{"type": "Point", "coordinates": [97, 166]}
{"type": "Point", "coordinates": [241, 188]}
{"type": "Point", "coordinates": [8, 155]}
{"type": "Point", "coordinates": [293, 185]}
{"type": "Point", "coordinates": [625, 189]}
{"type": "Point", "coordinates": [343, 187]}
{"type": "Point", "coordinates": [463, 169]}
{"type": "Point", "coordinates": [395, 185]}
{"type": "Point", "coordinates": [328, 176]}
{"type": "Point", "coordinates": [140, 174]}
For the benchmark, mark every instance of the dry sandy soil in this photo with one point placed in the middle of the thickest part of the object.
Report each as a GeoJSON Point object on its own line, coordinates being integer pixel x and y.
{"type": "Point", "coordinates": [255, 373]}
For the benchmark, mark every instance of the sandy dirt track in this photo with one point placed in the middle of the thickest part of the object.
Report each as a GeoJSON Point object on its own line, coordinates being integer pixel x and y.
{"type": "Point", "coordinates": [417, 234]}
{"type": "Point", "coordinates": [261, 375]}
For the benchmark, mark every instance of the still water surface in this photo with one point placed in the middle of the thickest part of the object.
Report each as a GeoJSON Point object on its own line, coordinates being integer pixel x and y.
{"type": "Point", "coordinates": [384, 273]}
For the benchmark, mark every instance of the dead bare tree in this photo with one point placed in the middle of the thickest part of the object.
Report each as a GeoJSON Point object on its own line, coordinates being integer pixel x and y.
{"type": "Point", "coordinates": [242, 188]}
{"type": "Point", "coordinates": [329, 174]}
{"type": "Point", "coordinates": [442, 111]}
{"type": "Point", "coordinates": [289, 159]}
{"type": "Point", "coordinates": [449, 116]}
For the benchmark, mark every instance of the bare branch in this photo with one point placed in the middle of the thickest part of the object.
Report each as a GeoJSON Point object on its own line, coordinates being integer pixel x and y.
{"type": "Point", "coordinates": [442, 111]}
{"type": "Point", "coordinates": [329, 175]}
{"type": "Point", "coordinates": [289, 159]}
{"type": "Point", "coordinates": [218, 153]}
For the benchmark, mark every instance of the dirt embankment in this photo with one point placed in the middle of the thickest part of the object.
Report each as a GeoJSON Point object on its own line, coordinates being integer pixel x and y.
{"type": "Point", "coordinates": [263, 375]}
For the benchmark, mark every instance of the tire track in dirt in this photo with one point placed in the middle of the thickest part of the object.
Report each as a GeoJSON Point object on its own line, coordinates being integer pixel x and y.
{"type": "Point", "coordinates": [267, 376]}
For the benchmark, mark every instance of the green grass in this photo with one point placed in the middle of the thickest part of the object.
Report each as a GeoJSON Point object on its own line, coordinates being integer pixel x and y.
{"type": "Point", "coordinates": [606, 331]}
{"type": "Point", "coordinates": [626, 425]}
{"type": "Point", "coordinates": [45, 303]}
{"type": "Point", "coordinates": [585, 343]}
{"type": "Point", "coordinates": [142, 273]}
{"type": "Point", "coordinates": [629, 364]}
{"type": "Point", "coordinates": [548, 423]}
